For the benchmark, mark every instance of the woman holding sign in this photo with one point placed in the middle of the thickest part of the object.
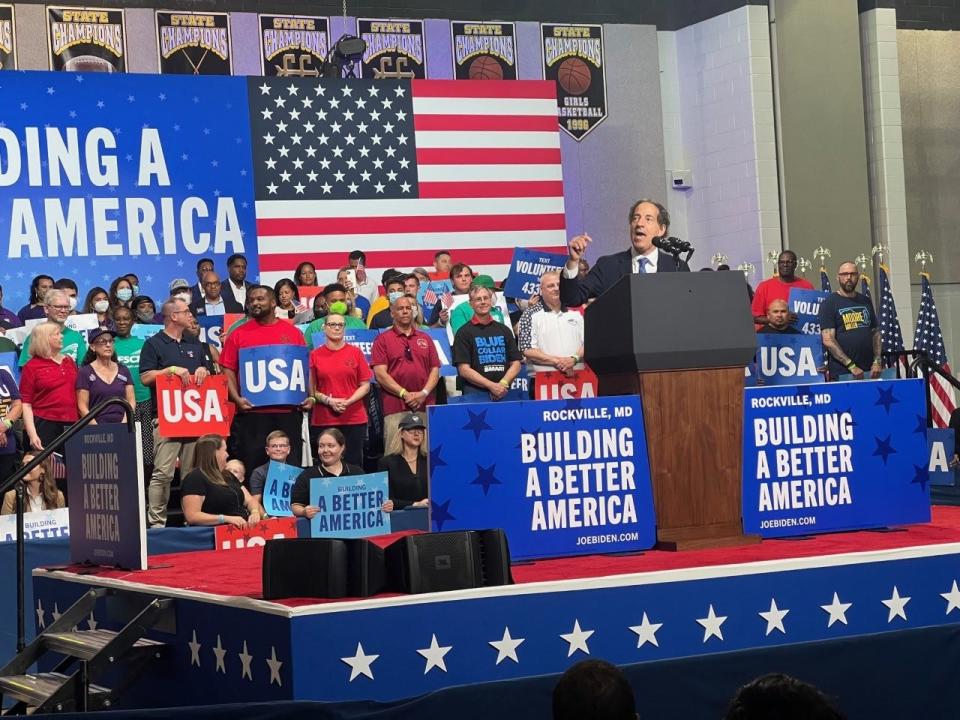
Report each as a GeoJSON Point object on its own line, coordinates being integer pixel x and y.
{"type": "Point", "coordinates": [209, 495]}
{"type": "Point", "coordinates": [330, 451]}
{"type": "Point", "coordinates": [339, 380]}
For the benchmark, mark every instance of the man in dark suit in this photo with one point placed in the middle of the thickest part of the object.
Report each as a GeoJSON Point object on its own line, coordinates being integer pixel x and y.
{"type": "Point", "coordinates": [204, 265]}
{"type": "Point", "coordinates": [214, 301]}
{"type": "Point", "coordinates": [648, 220]}
{"type": "Point", "coordinates": [236, 284]}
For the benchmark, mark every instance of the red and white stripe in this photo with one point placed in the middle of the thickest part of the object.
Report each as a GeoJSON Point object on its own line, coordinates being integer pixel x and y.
{"type": "Point", "coordinates": [943, 399]}
{"type": "Point", "coordinates": [490, 179]}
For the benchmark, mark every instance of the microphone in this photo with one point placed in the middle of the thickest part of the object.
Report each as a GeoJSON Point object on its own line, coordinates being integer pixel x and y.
{"type": "Point", "coordinates": [665, 243]}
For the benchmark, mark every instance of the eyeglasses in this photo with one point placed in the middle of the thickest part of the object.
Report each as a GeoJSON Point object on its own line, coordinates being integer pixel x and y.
{"type": "Point", "coordinates": [106, 341]}
{"type": "Point", "coordinates": [278, 446]}
{"type": "Point", "coordinates": [60, 307]}
{"type": "Point", "coordinates": [335, 325]}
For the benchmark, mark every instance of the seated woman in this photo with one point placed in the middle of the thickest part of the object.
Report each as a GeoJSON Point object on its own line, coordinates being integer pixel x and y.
{"type": "Point", "coordinates": [406, 463]}
{"type": "Point", "coordinates": [102, 377]}
{"type": "Point", "coordinates": [211, 496]}
{"type": "Point", "coordinates": [40, 490]}
{"type": "Point", "coordinates": [330, 448]}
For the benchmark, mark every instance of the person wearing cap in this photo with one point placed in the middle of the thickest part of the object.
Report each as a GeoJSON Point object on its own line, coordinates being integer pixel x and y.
{"type": "Point", "coordinates": [485, 351]}
{"type": "Point", "coordinates": [462, 313]}
{"type": "Point", "coordinates": [180, 288]}
{"type": "Point", "coordinates": [405, 463]}
{"type": "Point", "coordinates": [101, 377]}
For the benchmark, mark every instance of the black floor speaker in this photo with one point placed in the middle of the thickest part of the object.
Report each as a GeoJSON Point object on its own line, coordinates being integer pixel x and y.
{"type": "Point", "coordinates": [322, 568]}
{"type": "Point", "coordinates": [434, 562]}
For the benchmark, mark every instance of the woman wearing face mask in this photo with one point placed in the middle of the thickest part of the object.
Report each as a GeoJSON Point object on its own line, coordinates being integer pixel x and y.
{"type": "Point", "coordinates": [288, 299]}
{"type": "Point", "coordinates": [128, 350]}
{"type": "Point", "coordinates": [120, 293]}
{"type": "Point", "coordinates": [331, 447]}
{"type": "Point", "coordinates": [40, 490]}
{"type": "Point", "coordinates": [144, 310]}
{"type": "Point", "coordinates": [134, 283]}
{"type": "Point", "coordinates": [97, 302]}
{"type": "Point", "coordinates": [339, 380]}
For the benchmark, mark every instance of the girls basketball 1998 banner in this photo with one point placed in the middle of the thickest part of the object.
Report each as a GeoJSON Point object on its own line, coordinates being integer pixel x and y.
{"type": "Point", "coordinates": [573, 57]}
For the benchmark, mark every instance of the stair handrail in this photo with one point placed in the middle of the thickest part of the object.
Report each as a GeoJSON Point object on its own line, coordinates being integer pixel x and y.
{"type": "Point", "coordinates": [15, 480]}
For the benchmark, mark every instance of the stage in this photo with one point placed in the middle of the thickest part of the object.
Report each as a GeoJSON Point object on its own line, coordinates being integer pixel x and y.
{"type": "Point", "coordinates": [229, 645]}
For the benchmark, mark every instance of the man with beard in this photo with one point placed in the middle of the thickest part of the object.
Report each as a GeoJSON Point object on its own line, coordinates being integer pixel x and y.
{"type": "Point", "coordinates": [777, 288]}
{"type": "Point", "coordinates": [251, 426]}
{"type": "Point", "coordinates": [648, 220]}
{"type": "Point", "coordinates": [778, 320]}
{"type": "Point", "coordinates": [849, 329]}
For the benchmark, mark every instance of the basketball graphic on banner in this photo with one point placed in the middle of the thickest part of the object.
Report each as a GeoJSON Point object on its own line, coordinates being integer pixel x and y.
{"type": "Point", "coordinates": [485, 67]}
{"type": "Point", "coordinates": [574, 76]}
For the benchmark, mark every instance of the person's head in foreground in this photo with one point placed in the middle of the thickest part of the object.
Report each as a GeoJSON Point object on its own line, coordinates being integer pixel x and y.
{"type": "Point", "coordinates": [593, 689]}
{"type": "Point", "coordinates": [780, 697]}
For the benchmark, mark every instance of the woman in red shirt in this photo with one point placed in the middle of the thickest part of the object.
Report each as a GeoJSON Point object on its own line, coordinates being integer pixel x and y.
{"type": "Point", "coordinates": [339, 380]}
{"type": "Point", "coordinates": [47, 385]}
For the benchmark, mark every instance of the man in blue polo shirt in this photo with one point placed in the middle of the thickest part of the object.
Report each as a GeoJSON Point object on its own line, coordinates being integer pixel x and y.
{"type": "Point", "coordinates": [170, 352]}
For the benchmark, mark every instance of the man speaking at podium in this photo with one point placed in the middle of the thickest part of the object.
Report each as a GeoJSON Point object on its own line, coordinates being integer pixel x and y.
{"type": "Point", "coordinates": [648, 220]}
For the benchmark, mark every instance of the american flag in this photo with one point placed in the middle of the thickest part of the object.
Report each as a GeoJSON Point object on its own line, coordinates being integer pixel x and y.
{"type": "Point", "coordinates": [891, 336]}
{"type": "Point", "coordinates": [929, 338]}
{"type": "Point", "coordinates": [824, 281]}
{"type": "Point", "coordinates": [401, 169]}
{"type": "Point", "coordinates": [865, 288]}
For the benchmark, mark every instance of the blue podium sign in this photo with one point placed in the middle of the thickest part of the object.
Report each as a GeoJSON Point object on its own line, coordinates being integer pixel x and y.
{"type": "Point", "coordinates": [806, 305]}
{"type": "Point", "coordinates": [349, 506]}
{"type": "Point", "coordinates": [788, 359]}
{"type": "Point", "coordinates": [841, 456]}
{"type": "Point", "coordinates": [274, 374]}
{"type": "Point", "coordinates": [105, 491]}
{"type": "Point", "coordinates": [561, 477]}
{"type": "Point", "coordinates": [940, 442]}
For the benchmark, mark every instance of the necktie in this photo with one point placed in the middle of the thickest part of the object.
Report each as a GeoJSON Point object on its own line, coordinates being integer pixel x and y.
{"type": "Point", "coordinates": [642, 265]}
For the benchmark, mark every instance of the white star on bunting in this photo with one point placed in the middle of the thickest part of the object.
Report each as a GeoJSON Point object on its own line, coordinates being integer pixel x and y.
{"type": "Point", "coordinates": [221, 653]}
{"type": "Point", "coordinates": [274, 666]}
{"type": "Point", "coordinates": [194, 650]}
{"type": "Point", "coordinates": [245, 660]}
{"type": "Point", "coordinates": [434, 655]}
{"type": "Point", "coordinates": [506, 647]}
{"type": "Point", "coordinates": [577, 639]}
{"type": "Point", "coordinates": [774, 617]}
{"type": "Point", "coordinates": [897, 605]}
{"type": "Point", "coordinates": [711, 625]}
{"type": "Point", "coordinates": [952, 597]}
{"type": "Point", "coordinates": [837, 611]}
{"type": "Point", "coordinates": [360, 664]}
{"type": "Point", "coordinates": [646, 632]}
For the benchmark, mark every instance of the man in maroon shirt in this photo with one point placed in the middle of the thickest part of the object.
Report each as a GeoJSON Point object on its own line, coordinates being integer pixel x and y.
{"type": "Point", "coordinates": [252, 425]}
{"type": "Point", "coordinates": [406, 365]}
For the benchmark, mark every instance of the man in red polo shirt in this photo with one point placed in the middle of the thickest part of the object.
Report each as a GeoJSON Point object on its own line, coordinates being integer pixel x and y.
{"type": "Point", "coordinates": [406, 365]}
{"type": "Point", "coordinates": [252, 425]}
{"type": "Point", "coordinates": [777, 288]}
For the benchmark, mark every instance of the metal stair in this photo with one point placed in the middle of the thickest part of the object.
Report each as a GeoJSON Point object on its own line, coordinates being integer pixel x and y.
{"type": "Point", "coordinates": [88, 656]}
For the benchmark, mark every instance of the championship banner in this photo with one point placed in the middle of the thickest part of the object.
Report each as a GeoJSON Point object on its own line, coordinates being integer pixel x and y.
{"type": "Point", "coordinates": [806, 305]}
{"type": "Point", "coordinates": [573, 57]}
{"type": "Point", "coordinates": [395, 49]}
{"type": "Point", "coordinates": [484, 51]}
{"type": "Point", "coordinates": [229, 537]}
{"type": "Point", "coordinates": [527, 266]}
{"type": "Point", "coordinates": [194, 43]}
{"type": "Point", "coordinates": [940, 441]}
{"type": "Point", "coordinates": [36, 525]}
{"type": "Point", "coordinates": [86, 39]}
{"type": "Point", "coordinates": [105, 490]}
{"type": "Point", "coordinates": [192, 410]}
{"type": "Point", "coordinates": [349, 506]}
{"type": "Point", "coordinates": [8, 46]}
{"type": "Point", "coordinates": [842, 456]}
{"type": "Point", "coordinates": [211, 330]}
{"type": "Point", "coordinates": [132, 172]}
{"type": "Point", "coordinates": [788, 359]}
{"type": "Point", "coordinates": [274, 374]}
{"type": "Point", "coordinates": [293, 45]}
{"type": "Point", "coordinates": [560, 477]}
{"type": "Point", "coordinates": [555, 385]}
{"type": "Point", "coordinates": [279, 485]}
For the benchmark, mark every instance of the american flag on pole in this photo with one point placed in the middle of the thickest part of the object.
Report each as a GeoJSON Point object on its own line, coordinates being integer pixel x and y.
{"type": "Point", "coordinates": [891, 336]}
{"type": "Point", "coordinates": [929, 338]}
{"type": "Point", "coordinates": [401, 169]}
{"type": "Point", "coordinates": [865, 288]}
{"type": "Point", "coordinates": [824, 281]}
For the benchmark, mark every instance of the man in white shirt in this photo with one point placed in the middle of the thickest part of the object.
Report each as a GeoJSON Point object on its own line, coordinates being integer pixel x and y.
{"type": "Point", "coordinates": [551, 336]}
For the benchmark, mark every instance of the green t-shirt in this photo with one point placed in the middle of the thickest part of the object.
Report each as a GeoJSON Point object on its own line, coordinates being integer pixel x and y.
{"type": "Point", "coordinates": [462, 314]}
{"type": "Point", "coordinates": [350, 323]}
{"type": "Point", "coordinates": [74, 345]}
{"type": "Point", "coordinates": [128, 353]}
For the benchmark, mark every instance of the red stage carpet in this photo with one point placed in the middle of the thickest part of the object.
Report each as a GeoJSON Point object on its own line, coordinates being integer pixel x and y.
{"type": "Point", "coordinates": [237, 572]}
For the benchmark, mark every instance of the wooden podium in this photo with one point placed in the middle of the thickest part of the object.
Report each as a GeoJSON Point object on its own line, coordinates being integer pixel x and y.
{"type": "Point", "coordinates": [681, 341]}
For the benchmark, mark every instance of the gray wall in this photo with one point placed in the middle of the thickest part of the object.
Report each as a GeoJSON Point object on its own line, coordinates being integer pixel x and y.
{"type": "Point", "coordinates": [822, 135]}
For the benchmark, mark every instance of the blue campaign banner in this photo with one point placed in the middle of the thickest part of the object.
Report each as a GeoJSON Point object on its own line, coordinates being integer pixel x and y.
{"type": "Point", "coordinates": [835, 457]}
{"type": "Point", "coordinates": [350, 506]}
{"type": "Point", "coordinates": [806, 305]}
{"type": "Point", "coordinates": [561, 477]}
{"type": "Point", "coordinates": [788, 359]}
{"type": "Point", "coordinates": [527, 266]}
{"type": "Point", "coordinates": [211, 328]}
{"type": "Point", "coordinates": [274, 374]}
{"type": "Point", "coordinates": [940, 442]}
{"type": "Point", "coordinates": [106, 500]}
{"type": "Point", "coordinates": [131, 173]}
{"type": "Point", "coordinates": [9, 362]}
{"type": "Point", "coordinates": [143, 331]}
{"type": "Point", "coordinates": [276, 491]}
{"type": "Point", "coordinates": [442, 344]}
